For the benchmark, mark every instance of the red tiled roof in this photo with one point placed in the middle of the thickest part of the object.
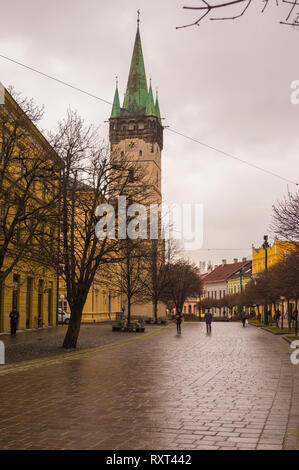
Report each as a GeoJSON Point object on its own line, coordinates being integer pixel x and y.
{"type": "Point", "coordinates": [222, 272]}
{"type": "Point", "coordinates": [203, 276]}
{"type": "Point", "coordinates": [247, 271]}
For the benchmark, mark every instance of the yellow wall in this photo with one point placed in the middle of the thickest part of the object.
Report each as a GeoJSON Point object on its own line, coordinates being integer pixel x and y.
{"type": "Point", "coordinates": [7, 298]}
{"type": "Point", "coordinates": [276, 252]}
{"type": "Point", "coordinates": [234, 287]}
{"type": "Point", "coordinates": [96, 307]}
{"type": "Point", "coordinates": [33, 145]}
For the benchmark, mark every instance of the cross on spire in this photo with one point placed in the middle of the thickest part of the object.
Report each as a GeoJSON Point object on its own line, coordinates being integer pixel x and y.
{"type": "Point", "coordinates": [138, 17]}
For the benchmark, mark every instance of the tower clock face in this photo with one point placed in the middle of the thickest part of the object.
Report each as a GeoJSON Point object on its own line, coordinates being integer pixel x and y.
{"type": "Point", "coordinates": [132, 144]}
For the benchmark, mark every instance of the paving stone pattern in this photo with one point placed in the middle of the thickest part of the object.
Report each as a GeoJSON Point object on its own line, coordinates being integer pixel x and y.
{"type": "Point", "coordinates": [233, 389]}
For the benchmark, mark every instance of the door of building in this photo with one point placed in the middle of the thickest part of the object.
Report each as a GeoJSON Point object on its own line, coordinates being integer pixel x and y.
{"type": "Point", "coordinates": [50, 303]}
{"type": "Point", "coordinates": [29, 302]}
{"type": "Point", "coordinates": [1, 308]}
{"type": "Point", "coordinates": [16, 291]}
{"type": "Point", "coordinates": [40, 303]}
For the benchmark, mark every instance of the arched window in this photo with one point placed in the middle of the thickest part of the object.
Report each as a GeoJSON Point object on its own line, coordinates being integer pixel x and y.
{"type": "Point", "coordinates": [140, 153]}
{"type": "Point", "coordinates": [122, 153]}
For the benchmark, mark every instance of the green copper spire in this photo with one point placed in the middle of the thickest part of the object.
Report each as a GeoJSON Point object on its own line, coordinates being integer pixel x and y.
{"type": "Point", "coordinates": [116, 104]}
{"type": "Point", "coordinates": [136, 94]}
{"type": "Point", "coordinates": [150, 105]}
{"type": "Point", "coordinates": [157, 107]}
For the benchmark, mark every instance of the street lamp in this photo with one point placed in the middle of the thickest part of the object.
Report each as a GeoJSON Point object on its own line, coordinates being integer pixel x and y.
{"type": "Point", "coordinates": [282, 310]}
{"type": "Point", "coordinates": [265, 247]}
{"type": "Point", "coordinates": [241, 287]}
{"type": "Point", "coordinates": [241, 280]}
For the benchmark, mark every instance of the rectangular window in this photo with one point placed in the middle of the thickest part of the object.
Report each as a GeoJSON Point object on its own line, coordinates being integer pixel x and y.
{"type": "Point", "coordinates": [50, 302]}
{"type": "Point", "coordinates": [21, 165]}
{"type": "Point", "coordinates": [1, 308]}
{"type": "Point", "coordinates": [18, 234]}
{"type": "Point", "coordinates": [28, 301]}
{"type": "Point", "coordinates": [16, 291]}
{"type": "Point", "coordinates": [4, 150]}
{"type": "Point", "coordinates": [2, 210]}
{"type": "Point", "coordinates": [131, 176]}
{"type": "Point", "coordinates": [40, 303]}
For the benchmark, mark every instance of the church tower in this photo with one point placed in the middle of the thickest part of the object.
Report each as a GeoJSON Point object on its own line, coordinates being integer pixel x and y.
{"type": "Point", "coordinates": [136, 136]}
{"type": "Point", "coordinates": [136, 131]}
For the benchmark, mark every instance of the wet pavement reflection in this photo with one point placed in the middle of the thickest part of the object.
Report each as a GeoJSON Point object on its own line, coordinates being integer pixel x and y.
{"type": "Point", "coordinates": [233, 389]}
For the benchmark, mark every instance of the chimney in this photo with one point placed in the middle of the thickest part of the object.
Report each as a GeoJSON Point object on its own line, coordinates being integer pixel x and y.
{"type": "Point", "coordinates": [223, 262]}
{"type": "Point", "coordinates": [244, 259]}
{"type": "Point", "coordinates": [235, 260]}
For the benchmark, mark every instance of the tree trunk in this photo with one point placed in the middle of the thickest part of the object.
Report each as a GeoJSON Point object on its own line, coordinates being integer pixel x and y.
{"type": "Point", "coordinates": [129, 311]}
{"type": "Point", "coordinates": [155, 310]}
{"type": "Point", "coordinates": [72, 334]}
{"type": "Point", "coordinates": [289, 315]}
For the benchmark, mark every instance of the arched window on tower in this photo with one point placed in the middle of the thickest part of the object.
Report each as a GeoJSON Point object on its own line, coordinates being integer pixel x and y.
{"type": "Point", "coordinates": [122, 154]}
{"type": "Point", "coordinates": [140, 153]}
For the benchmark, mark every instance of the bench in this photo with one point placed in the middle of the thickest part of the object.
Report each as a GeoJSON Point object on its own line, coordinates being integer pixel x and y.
{"type": "Point", "coordinates": [137, 327]}
{"type": "Point", "coordinates": [134, 327]}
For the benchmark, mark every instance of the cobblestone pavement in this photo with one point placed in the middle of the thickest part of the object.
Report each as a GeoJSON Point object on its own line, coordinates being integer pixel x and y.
{"type": "Point", "coordinates": [234, 389]}
{"type": "Point", "coordinates": [30, 345]}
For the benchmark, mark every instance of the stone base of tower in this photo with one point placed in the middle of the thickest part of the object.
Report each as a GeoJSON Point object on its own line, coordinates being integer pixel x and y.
{"type": "Point", "coordinates": [146, 310]}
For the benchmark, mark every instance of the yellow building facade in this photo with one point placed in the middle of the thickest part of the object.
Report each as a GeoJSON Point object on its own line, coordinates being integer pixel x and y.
{"type": "Point", "coordinates": [234, 284]}
{"type": "Point", "coordinates": [34, 296]}
{"type": "Point", "coordinates": [275, 254]}
{"type": "Point", "coordinates": [101, 304]}
{"type": "Point", "coordinates": [31, 284]}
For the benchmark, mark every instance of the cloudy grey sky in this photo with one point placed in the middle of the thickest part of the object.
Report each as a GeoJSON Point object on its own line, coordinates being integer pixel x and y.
{"type": "Point", "coordinates": [226, 84]}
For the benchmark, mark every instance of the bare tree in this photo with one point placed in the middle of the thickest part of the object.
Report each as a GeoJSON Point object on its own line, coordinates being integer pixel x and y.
{"type": "Point", "coordinates": [157, 262]}
{"type": "Point", "coordinates": [29, 184]}
{"type": "Point", "coordinates": [183, 282]}
{"type": "Point", "coordinates": [285, 218]}
{"type": "Point", "coordinates": [91, 178]}
{"type": "Point", "coordinates": [234, 9]}
{"type": "Point", "coordinates": [127, 277]}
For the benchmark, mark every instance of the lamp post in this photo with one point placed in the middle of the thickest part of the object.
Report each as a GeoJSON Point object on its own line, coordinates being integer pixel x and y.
{"type": "Point", "coordinates": [265, 247]}
{"type": "Point", "coordinates": [282, 311]}
{"type": "Point", "coordinates": [241, 287]}
{"type": "Point", "coordinates": [241, 280]}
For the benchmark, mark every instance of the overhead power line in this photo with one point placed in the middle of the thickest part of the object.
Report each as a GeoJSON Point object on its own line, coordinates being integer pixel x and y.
{"type": "Point", "coordinates": [233, 157]}
{"type": "Point", "coordinates": [221, 152]}
{"type": "Point", "coordinates": [55, 79]}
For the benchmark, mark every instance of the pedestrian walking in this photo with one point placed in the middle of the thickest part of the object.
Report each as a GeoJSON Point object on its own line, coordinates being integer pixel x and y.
{"type": "Point", "coordinates": [277, 317]}
{"type": "Point", "coordinates": [295, 320]}
{"type": "Point", "coordinates": [14, 318]}
{"type": "Point", "coordinates": [243, 318]}
{"type": "Point", "coordinates": [208, 320]}
{"type": "Point", "coordinates": [178, 319]}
